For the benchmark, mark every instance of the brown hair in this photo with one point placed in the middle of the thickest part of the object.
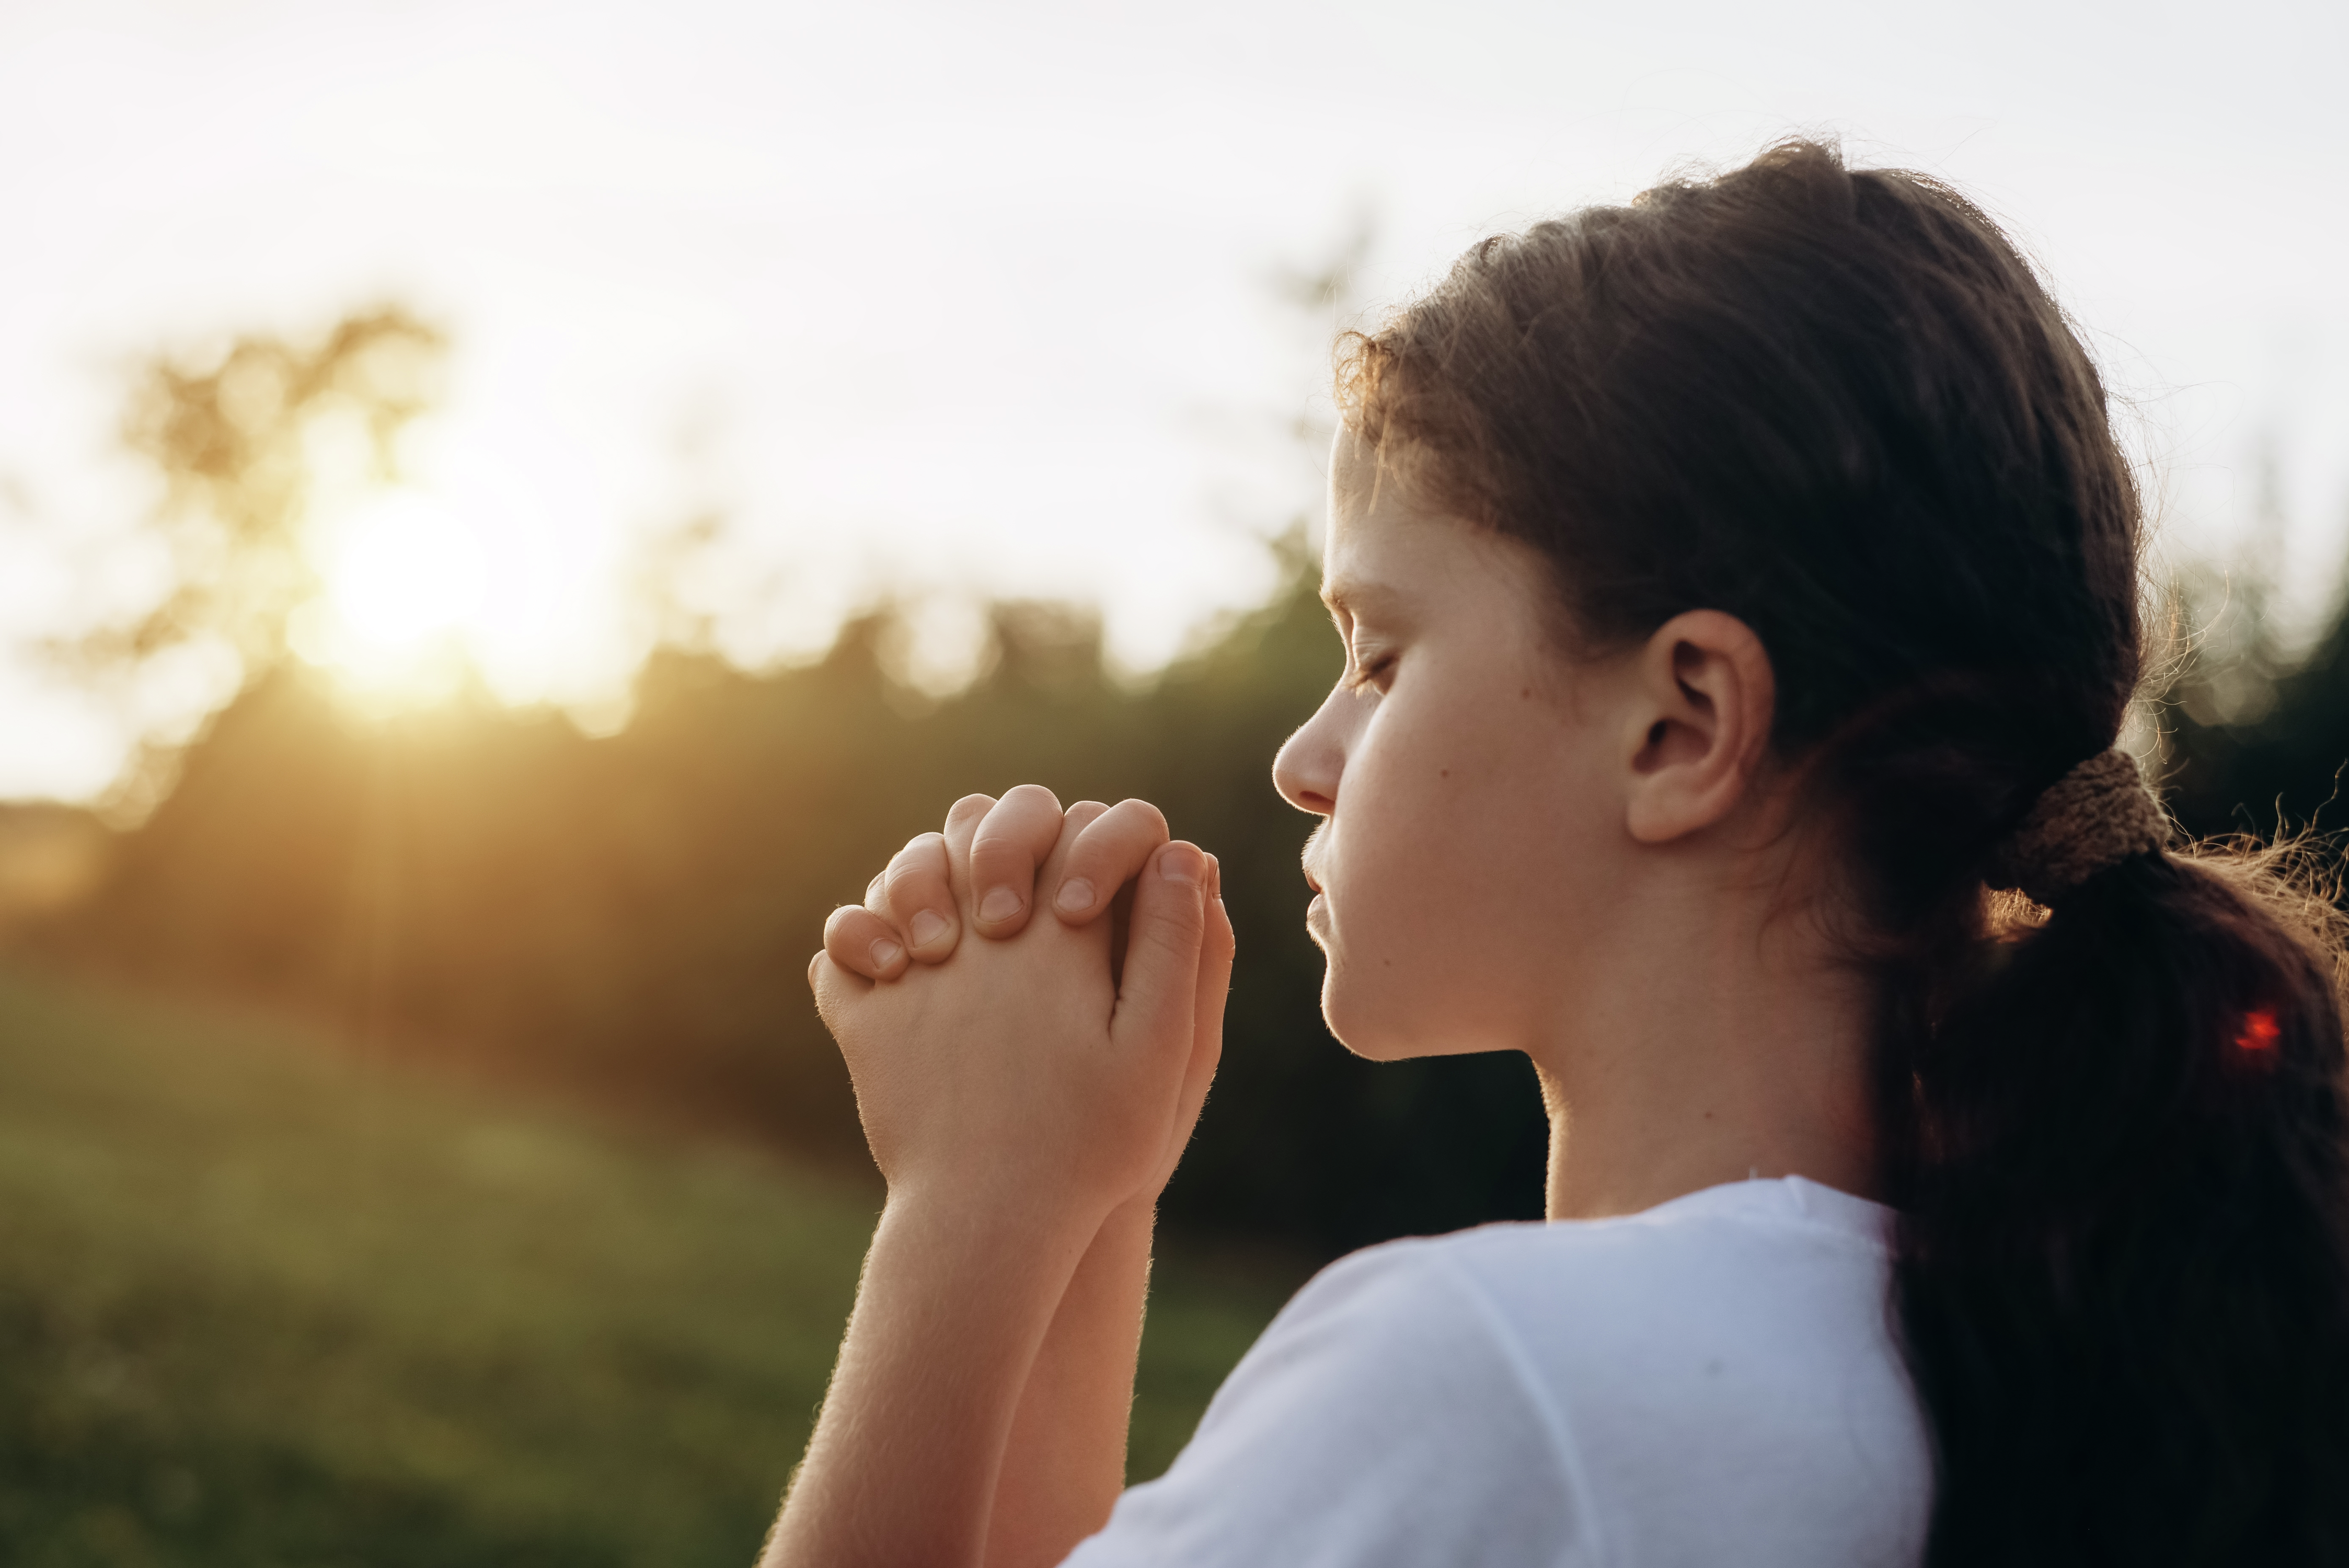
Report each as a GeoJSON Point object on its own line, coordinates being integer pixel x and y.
{"type": "Point", "coordinates": [1837, 404]}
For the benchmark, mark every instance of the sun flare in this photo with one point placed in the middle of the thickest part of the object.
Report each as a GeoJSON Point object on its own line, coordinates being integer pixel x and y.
{"type": "Point", "coordinates": [406, 571]}
{"type": "Point", "coordinates": [405, 600]}
{"type": "Point", "coordinates": [487, 568]}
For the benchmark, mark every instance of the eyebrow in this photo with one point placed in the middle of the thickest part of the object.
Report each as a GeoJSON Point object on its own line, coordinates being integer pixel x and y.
{"type": "Point", "coordinates": [1353, 596]}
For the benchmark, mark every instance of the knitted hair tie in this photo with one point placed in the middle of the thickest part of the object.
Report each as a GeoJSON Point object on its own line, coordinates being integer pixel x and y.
{"type": "Point", "coordinates": [2092, 818]}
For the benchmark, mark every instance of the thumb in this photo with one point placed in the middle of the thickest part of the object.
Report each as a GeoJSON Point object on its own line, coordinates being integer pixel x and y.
{"type": "Point", "coordinates": [1158, 991]}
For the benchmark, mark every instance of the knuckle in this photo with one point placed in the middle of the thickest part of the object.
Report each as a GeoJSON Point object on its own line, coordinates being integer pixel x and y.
{"type": "Point", "coordinates": [1012, 834]}
{"type": "Point", "coordinates": [848, 935]}
{"type": "Point", "coordinates": [1124, 838]}
{"type": "Point", "coordinates": [1146, 814]}
{"type": "Point", "coordinates": [1032, 798]}
{"type": "Point", "coordinates": [994, 851]}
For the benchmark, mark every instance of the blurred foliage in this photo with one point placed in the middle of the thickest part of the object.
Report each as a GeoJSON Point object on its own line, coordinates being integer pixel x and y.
{"type": "Point", "coordinates": [629, 917]}
{"type": "Point", "coordinates": [264, 1303]}
{"type": "Point", "coordinates": [237, 443]}
{"type": "Point", "coordinates": [2255, 737]}
{"type": "Point", "coordinates": [242, 438]}
{"type": "Point", "coordinates": [632, 915]}
{"type": "Point", "coordinates": [2255, 731]}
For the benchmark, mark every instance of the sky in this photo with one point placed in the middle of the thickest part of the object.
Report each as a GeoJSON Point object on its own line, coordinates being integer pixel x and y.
{"type": "Point", "coordinates": [945, 300]}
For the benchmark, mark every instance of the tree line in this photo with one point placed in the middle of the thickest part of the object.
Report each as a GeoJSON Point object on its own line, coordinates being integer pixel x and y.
{"type": "Point", "coordinates": [629, 917]}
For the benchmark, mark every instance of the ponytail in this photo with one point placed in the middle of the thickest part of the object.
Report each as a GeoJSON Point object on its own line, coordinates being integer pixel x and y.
{"type": "Point", "coordinates": [2121, 1159]}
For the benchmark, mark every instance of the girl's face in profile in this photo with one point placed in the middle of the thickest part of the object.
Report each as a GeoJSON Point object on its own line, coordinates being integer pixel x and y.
{"type": "Point", "coordinates": [1467, 777]}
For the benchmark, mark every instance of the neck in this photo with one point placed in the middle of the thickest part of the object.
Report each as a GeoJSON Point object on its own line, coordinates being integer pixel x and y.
{"type": "Point", "coordinates": [1737, 1049]}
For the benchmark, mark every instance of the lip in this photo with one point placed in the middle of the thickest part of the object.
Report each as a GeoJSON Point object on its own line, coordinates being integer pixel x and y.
{"type": "Point", "coordinates": [1317, 917]}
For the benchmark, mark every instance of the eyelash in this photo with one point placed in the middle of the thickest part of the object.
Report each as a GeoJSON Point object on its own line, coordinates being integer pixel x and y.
{"type": "Point", "coordinates": [1364, 675]}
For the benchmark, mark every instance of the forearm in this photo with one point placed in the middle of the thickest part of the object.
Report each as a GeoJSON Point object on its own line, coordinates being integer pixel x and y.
{"type": "Point", "coordinates": [1065, 1462]}
{"type": "Point", "coordinates": [903, 1466]}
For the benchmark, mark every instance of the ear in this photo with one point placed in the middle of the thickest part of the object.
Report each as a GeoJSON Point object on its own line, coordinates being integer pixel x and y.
{"type": "Point", "coordinates": [1705, 698]}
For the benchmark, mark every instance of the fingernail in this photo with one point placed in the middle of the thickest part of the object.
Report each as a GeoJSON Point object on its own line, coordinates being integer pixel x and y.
{"type": "Point", "coordinates": [884, 953]}
{"type": "Point", "coordinates": [999, 905]}
{"type": "Point", "coordinates": [927, 927]}
{"type": "Point", "coordinates": [1076, 896]}
{"type": "Point", "coordinates": [1180, 863]}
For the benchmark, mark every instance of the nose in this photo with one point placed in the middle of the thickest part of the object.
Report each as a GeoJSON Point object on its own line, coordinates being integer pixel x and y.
{"type": "Point", "coordinates": [1305, 770]}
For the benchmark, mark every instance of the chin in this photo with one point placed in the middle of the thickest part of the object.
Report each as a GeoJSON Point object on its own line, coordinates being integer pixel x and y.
{"type": "Point", "coordinates": [1389, 1012]}
{"type": "Point", "coordinates": [1377, 1027]}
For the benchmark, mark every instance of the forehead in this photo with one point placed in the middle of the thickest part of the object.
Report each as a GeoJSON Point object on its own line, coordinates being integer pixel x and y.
{"type": "Point", "coordinates": [1385, 542]}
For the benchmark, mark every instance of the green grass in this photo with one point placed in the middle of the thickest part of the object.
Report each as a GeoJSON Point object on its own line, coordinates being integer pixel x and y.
{"type": "Point", "coordinates": [262, 1304]}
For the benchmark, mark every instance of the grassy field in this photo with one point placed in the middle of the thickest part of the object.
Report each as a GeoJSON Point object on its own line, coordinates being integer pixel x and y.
{"type": "Point", "coordinates": [263, 1304]}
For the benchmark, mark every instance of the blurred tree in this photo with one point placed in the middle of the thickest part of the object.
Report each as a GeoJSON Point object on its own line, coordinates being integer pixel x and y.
{"type": "Point", "coordinates": [237, 445]}
{"type": "Point", "coordinates": [240, 443]}
{"type": "Point", "coordinates": [2254, 734]}
{"type": "Point", "coordinates": [630, 916]}
{"type": "Point", "coordinates": [2254, 741]}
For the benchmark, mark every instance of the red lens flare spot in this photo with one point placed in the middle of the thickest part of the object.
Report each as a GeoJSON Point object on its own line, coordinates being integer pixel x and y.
{"type": "Point", "coordinates": [2260, 1032]}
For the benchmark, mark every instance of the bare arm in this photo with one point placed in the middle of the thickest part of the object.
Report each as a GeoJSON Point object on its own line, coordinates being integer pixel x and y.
{"type": "Point", "coordinates": [955, 1300]}
{"type": "Point", "coordinates": [1064, 1464]}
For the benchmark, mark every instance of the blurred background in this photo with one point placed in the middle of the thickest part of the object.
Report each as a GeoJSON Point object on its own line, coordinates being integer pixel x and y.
{"type": "Point", "coordinates": [510, 512]}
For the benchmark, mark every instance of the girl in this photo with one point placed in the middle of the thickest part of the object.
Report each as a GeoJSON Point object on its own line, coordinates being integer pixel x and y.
{"type": "Point", "coordinates": [1740, 598]}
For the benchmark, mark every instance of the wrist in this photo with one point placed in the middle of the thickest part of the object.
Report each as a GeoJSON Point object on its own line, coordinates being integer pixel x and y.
{"type": "Point", "coordinates": [960, 1292]}
{"type": "Point", "coordinates": [1014, 1216]}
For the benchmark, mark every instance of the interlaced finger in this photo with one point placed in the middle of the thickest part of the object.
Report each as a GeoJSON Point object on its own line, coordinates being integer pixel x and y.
{"type": "Point", "coordinates": [1109, 852]}
{"type": "Point", "coordinates": [962, 819]}
{"type": "Point", "coordinates": [915, 894]}
{"type": "Point", "coordinates": [861, 942]}
{"type": "Point", "coordinates": [1011, 842]}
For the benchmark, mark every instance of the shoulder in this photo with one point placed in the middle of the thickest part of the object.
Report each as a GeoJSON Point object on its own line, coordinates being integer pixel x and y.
{"type": "Point", "coordinates": [1381, 1419]}
{"type": "Point", "coordinates": [1747, 1310]}
{"type": "Point", "coordinates": [1407, 1343]}
{"type": "Point", "coordinates": [1763, 1258]}
{"type": "Point", "coordinates": [1733, 1349]}
{"type": "Point", "coordinates": [1716, 1376]}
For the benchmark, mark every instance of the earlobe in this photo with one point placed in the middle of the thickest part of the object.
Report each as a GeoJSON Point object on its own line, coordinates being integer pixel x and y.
{"type": "Point", "coordinates": [1705, 698]}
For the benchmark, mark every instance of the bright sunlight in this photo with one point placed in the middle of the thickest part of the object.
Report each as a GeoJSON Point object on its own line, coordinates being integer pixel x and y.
{"type": "Point", "coordinates": [483, 564]}
{"type": "Point", "coordinates": [406, 587]}
{"type": "Point", "coordinates": [407, 571]}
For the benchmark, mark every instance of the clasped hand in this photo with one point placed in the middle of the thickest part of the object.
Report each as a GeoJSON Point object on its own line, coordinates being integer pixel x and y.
{"type": "Point", "coordinates": [1024, 1067]}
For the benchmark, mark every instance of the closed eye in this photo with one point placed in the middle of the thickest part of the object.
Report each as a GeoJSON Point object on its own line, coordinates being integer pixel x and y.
{"type": "Point", "coordinates": [1370, 673]}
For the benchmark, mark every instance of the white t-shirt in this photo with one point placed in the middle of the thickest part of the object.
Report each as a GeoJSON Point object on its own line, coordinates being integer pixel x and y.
{"type": "Point", "coordinates": [1712, 1382]}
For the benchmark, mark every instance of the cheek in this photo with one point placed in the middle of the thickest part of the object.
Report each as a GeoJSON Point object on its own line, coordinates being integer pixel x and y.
{"type": "Point", "coordinates": [1459, 860]}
